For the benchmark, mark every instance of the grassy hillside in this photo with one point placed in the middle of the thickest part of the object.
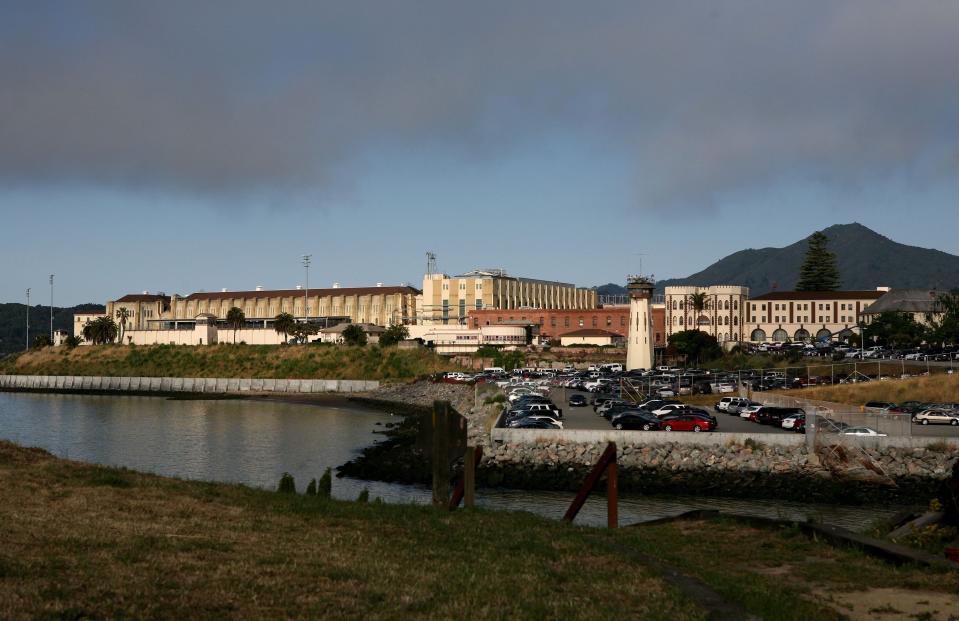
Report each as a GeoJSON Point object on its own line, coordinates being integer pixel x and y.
{"type": "Point", "coordinates": [13, 319]}
{"type": "Point", "coordinates": [249, 361]}
{"type": "Point", "coordinates": [935, 388]}
{"type": "Point", "coordinates": [84, 541]}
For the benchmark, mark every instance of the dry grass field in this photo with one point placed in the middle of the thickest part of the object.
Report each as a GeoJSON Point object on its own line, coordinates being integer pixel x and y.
{"type": "Point", "coordinates": [82, 541]}
{"type": "Point", "coordinates": [942, 388]}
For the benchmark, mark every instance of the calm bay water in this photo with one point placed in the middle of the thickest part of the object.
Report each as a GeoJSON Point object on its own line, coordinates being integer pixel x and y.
{"type": "Point", "coordinates": [254, 442]}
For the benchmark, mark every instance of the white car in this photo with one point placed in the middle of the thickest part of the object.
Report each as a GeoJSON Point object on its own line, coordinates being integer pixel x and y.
{"type": "Point", "coordinates": [666, 392]}
{"type": "Point", "coordinates": [862, 431]}
{"type": "Point", "coordinates": [790, 421]}
{"type": "Point", "coordinates": [746, 412]}
{"type": "Point", "coordinates": [670, 408]}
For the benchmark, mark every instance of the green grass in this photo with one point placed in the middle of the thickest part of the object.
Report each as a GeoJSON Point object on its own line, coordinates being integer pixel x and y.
{"type": "Point", "coordinates": [76, 544]}
{"type": "Point", "coordinates": [246, 361]}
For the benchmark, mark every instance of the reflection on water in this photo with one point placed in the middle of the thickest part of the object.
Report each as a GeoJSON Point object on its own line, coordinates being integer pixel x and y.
{"type": "Point", "coordinates": [254, 442]}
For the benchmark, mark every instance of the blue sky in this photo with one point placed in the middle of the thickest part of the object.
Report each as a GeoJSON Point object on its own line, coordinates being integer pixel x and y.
{"type": "Point", "coordinates": [176, 148]}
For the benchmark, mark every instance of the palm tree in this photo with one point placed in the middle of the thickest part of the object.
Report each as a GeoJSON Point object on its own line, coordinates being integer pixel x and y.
{"type": "Point", "coordinates": [283, 323]}
{"type": "Point", "coordinates": [122, 315]}
{"type": "Point", "coordinates": [101, 330]}
{"type": "Point", "coordinates": [236, 318]}
{"type": "Point", "coordinates": [698, 302]}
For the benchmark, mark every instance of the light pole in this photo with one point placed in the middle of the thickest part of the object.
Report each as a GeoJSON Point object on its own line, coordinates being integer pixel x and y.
{"type": "Point", "coordinates": [28, 318]}
{"type": "Point", "coordinates": [51, 309]}
{"type": "Point", "coordinates": [306, 293]}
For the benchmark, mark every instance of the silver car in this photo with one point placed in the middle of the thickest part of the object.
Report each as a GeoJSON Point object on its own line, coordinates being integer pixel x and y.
{"type": "Point", "coordinates": [937, 417]}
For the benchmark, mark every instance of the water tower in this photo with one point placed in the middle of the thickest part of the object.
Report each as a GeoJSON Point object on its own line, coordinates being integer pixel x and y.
{"type": "Point", "coordinates": [639, 346]}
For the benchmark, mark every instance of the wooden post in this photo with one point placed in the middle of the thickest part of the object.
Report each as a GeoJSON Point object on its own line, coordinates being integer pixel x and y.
{"type": "Point", "coordinates": [608, 457]}
{"type": "Point", "coordinates": [612, 494]}
{"type": "Point", "coordinates": [469, 478]}
{"type": "Point", "coordinates": [441, 468]}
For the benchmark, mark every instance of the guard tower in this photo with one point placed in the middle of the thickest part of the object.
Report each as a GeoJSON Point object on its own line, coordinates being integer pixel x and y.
{"type": "Point", "coordinates": [639, 349]}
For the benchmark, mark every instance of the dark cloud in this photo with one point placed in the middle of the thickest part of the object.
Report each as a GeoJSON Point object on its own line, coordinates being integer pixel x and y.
{"type": "Point", "coordinates": [234, 97]}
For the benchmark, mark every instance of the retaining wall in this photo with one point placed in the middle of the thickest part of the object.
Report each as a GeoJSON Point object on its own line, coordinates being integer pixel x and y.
{"type": "Point", "coordinates": [219, 385]}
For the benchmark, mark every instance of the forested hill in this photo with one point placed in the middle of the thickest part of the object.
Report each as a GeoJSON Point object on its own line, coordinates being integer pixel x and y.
{"type": "Point", "coordinates": [866, 260]}
{"type": "Point", "coordinates": [13, 321]}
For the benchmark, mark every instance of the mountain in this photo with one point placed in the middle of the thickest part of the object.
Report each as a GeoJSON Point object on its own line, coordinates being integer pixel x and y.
{"type": "Point", "coordinates": [610, 288]}
{"type": "Point", "coordinates": [866, 260]}
{"type": "Point", "coordinates": [13, 320]}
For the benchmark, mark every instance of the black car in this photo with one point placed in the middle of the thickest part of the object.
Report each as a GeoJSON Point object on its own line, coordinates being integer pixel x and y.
{"type": "Point", "coordinates": [770, 415]}
{"type": "Point", "coordinates": [577, 401]}
{"type": "Point", "coordinates": [635, 419]}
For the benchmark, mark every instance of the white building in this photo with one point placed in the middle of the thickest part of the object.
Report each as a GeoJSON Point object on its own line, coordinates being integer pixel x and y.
{"type": "Point", "coordinates": [722, 313]}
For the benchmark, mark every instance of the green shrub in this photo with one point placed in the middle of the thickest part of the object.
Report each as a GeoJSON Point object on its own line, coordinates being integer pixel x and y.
{"type": "Point", "coordinates": [287, 484]}
{"type": "Point", "coordinates": [311, 488]}
{"type": "Point", "coordinates": [326, 484]}
{"type": "Point", "coordinates": [364, 496]}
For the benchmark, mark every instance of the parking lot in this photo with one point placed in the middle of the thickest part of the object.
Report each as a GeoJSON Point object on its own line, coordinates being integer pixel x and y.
{"type": "Point", "coordinates": [584, 418]}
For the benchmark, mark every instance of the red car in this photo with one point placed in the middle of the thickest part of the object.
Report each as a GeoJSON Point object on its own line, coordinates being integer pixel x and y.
{"type": "Point", "coordinates": [687, 422]}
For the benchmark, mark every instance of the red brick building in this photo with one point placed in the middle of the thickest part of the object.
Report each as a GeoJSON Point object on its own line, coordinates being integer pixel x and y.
{"type": "Point", "coordinates": [555, 323]}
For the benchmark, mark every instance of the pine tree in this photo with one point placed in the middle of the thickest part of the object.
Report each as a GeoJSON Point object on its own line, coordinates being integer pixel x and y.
{"type": "Point", "coordinates": [819, 271]}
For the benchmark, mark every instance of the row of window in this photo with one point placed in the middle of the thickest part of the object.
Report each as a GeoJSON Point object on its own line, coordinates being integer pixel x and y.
{"type": "Point", "coordinates": [707, 321]}
{"type": "Point", "coordinates": [805, 319]}
{"type": "Point", "coordinates": [805, 307]}
{"type": "Point", "coordinates": [707, 305]}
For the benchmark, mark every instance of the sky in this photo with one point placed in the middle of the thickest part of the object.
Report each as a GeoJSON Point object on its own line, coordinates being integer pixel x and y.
{"type": "Point", "coordinates": [181, 146]}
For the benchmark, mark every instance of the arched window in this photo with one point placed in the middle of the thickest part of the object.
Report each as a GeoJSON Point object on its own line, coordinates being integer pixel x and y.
{"type": "Point", "coordinates": [823, 335]}
{"type": "Point", "coordinates": [780, 335]}
{"type": "Point", "coordinates": [726, 305]}
{"type": "Point", "coordinates": [758, 335]}
{"type": "Point", "coordinates": [680, 321]}
{"type": "Point", "coordinates": [735, 321]}
{"type": "Point", "coordinates": [801, 335]}
{"type": "Point", "coordinates": [682, 305]}
{"type": "Point", "coordinates": [725, 321]}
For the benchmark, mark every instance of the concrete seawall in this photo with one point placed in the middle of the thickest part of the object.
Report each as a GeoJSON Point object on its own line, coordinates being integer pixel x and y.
{"type": "Point", "coordinates": [211, 385]}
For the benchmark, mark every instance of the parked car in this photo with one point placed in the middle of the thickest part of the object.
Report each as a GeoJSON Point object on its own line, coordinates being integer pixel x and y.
{"type": "Point", "coordinates": [723, 404]}
{"type": "Point", "coordinates": [536, 424]}
{"type": "Point", "coordinates": [792, 420]}
{"type": "Point", "coordinates": [770, 415]}
{"type": "Point", "coordinates": [687, 422]}
{"type": "Point", "coordinates": [670, 408]}
{"type": "Point", "coordinates": [577, 401]}
{"type": "Point", "coordinates": [635, 419]}
{"type": "Point", "coordinates": [749, 412]}
{"type": "Point", "coordinates": [879, 405]}
{"type": "Point", "coordinates": [937, 417]}
{"type": "Point", "coordinates": [862, 431]}
{"type": "Point", "coordinates": [734, 409]}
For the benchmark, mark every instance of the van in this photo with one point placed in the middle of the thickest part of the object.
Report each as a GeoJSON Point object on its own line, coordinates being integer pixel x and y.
{"type": "Point", "coordinates": [492, 370]}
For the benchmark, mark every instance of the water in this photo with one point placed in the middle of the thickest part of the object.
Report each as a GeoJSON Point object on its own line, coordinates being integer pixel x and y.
{"type": "Point", "coordinates": [254, 442]}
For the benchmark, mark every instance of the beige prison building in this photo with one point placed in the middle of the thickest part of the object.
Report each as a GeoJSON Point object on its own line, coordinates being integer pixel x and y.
{"type": "Point", "coordinates": [200, 318]}
{"type": "Point", "coordinates": [448, 299]}
{"type": "Point", "coordinates": [781, 316]}
{"type": "Point", "coordinates": [723, 314]}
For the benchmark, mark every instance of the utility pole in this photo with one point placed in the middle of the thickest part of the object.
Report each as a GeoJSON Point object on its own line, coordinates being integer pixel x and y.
{"type": "Point", "coordinates": [306, 293]}
{"type": "Point", "coordinates": [51, 309]}
{"type": "Point", "coordinates": [28, 318]}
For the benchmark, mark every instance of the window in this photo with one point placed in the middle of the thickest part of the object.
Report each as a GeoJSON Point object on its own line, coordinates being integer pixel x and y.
{"type": "Point", "coordinates": [580, 322]}
{"type": "Point", "coordinates": [622, 321]}
{"type": "Point", "coordinates": [680, 321]}
{"type": "Point", "coordinates": [565, 322]}
{"type": "Point", "coordinates": [594, 321]}
{"type": "Point", "coordinates": [764, 307]}
{"type": "Point", "coordinates": [462, 308]}
{"type": "Point", "coordinates": [754, 318]}
{"type": "Point", "coordinates": [609, 321]}
{"type": "Point", "coordinates": [735, 321]}
{"type": "Point", "coordinates": [820, 307]}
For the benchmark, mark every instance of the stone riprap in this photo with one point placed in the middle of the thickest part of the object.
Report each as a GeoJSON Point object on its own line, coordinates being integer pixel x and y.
{"type": "Point", "coordinates": [60, 383]}
{"type": "Point", "coordinates": [461, 396]}
{"type": "Point", "coordinates": [732, 469]}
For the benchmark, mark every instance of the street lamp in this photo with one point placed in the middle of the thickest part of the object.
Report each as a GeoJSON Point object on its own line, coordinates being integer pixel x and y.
{"type": "Point", "coordinates": [306, 293]}
{"type": "Point", "coordinates": [51, 309]}
{"type": "Point", "coordinates": [28, 318]}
